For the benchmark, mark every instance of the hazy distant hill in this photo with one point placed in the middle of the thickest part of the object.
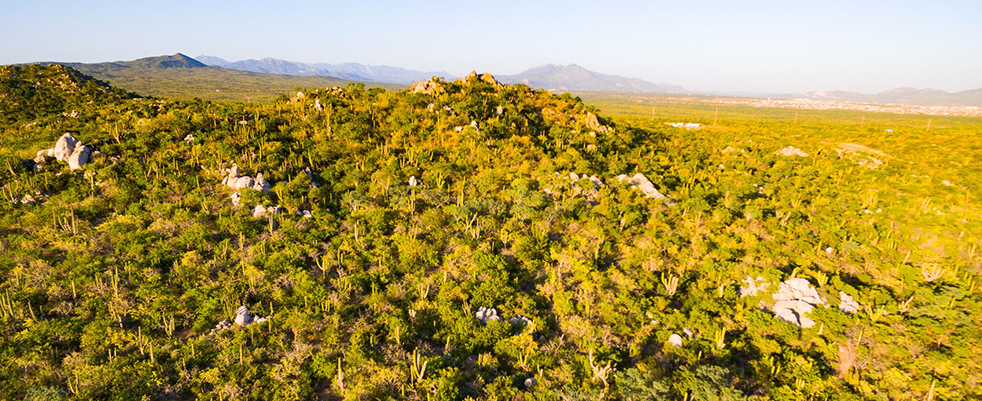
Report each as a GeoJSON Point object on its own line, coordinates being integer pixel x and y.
{"type": "Point", "coordinates": [573, 77]}
{"type": "Point", "coordinates": [265, 66]}
{"type": "Point", "coordinates": [349, 71]}
{"type": "Point", "coordinates": [180, 76]}
{"type": "Point", "coordinates": [931, 97]}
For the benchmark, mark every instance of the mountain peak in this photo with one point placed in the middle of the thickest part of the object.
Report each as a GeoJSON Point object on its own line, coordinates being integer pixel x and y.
{"type": "Point", "coordinates": [178, 60]}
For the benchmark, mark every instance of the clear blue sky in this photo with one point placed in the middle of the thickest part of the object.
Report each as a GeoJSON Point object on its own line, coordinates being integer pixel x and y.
{"type": "Point", "coordinates": [759, 46]}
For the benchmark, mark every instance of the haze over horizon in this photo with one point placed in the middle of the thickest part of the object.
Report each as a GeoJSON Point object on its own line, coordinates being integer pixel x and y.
{"type": "Point", "coordinates": [766, 47]}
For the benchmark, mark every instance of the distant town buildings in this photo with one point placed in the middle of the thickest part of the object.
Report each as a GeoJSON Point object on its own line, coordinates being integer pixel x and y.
{"type": "Point", "coordinates": [808, 104]}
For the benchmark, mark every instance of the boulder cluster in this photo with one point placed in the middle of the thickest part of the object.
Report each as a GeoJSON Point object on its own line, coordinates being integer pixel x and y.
{"type": "Point", "coordinates": [794, 299]}
{"type": "Point", "coordinates": [597, 183]}
{"type": "Point", "coordinates": [242, 319]}
{"type": "Point", "coordinates": [236, 181]}
{"type": "Point", "coordinates": [233, 179]}
{"type": "Point", "coordinates": [520, 319]}
{"type": "Point", "coordinates": [589, 191]}
{"type": "Point", "coordinates": [428, 87]}
{"type": "Point", "coordinates": [486, 315]}
{"type": "Point", "coordinates": [69, 150]}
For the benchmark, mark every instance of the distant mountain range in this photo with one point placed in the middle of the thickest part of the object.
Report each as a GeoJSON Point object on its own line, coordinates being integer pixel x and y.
{"type": "Point", "coordinates": [165, 75]}
{"type": "Point", "coordinates": [928, 97]}
{"type": "Point", "coordinates": [346, 71]}
{"type": "Point", "coordinates": [550, 76]}
{"type": "Point", "coordinates": [575, 78]}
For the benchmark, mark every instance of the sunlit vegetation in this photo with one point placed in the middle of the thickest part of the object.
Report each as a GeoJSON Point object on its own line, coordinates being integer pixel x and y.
{"type": "Point", "coordinates": [113, 276]}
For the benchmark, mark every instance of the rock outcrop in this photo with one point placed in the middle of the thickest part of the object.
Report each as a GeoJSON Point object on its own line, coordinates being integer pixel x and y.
{"type": "Point", "coordinates": [262, 211]}
{"type": "Point", "coordinates": [794, 299]}
{"type": "Point", "coordinates": [753, 287]}
{"type": "Point", "coordinates": [792, 151]}
{"type": "Point", "coordinates": [731, 149]}
{"type": "Point", "coordinates": [847, 304]}
{"type": "Point", "coordinates": [260, 184]}
{"type": "Point", "coordinates": [641, 182]}
{"type": "Point", "coordinates": [593, 123]}
{"type": "Point", "coordinates": [429, 87]}
{"type": "Point", "coordinates": [485, 77]}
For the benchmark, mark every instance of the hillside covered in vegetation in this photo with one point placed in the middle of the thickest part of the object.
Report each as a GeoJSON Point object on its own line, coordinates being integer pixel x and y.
{"type": "Point", "coordinates": [468, 240]}
{"type": "Point", "coordinates": [178, 76]}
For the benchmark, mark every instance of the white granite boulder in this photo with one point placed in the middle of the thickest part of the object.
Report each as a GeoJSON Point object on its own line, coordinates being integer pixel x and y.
{"type": "Point", "coordinates": [240, 183]}
{"type": "Point", "coordinates": [64, 147]}
{"type": "Point", "coordinates": [81, 156]}
{"type": "Point", "coordinates": [242, 316]}
{"type": "Point", "coordinates": [675, 340]}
